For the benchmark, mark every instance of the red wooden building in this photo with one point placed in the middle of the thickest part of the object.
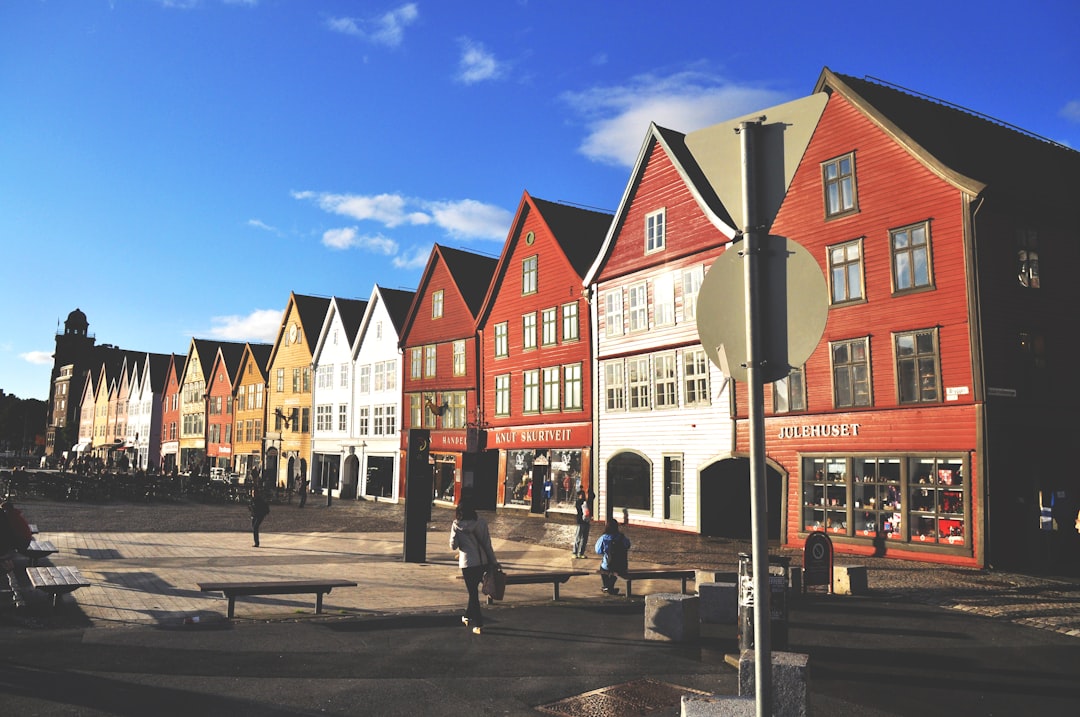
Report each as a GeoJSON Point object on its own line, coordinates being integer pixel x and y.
{"type": "Point", "coordinates": [170, 414]}
{"type": "Point", "coordinates": [535, 357]}
{"type": "Point", "coordinates": [221, 383]}
{"type": "Point", "coordinates": [933, 419]}
{"type": "Point", "coordinates": [440, 375]}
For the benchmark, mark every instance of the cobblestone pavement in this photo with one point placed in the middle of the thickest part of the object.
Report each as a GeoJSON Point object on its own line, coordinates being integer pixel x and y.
{"type": "Point", "coordinates": [1043, 601]}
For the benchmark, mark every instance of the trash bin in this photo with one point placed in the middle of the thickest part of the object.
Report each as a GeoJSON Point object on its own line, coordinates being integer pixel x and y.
{"type": "Point", "coordinates": [779, 569]}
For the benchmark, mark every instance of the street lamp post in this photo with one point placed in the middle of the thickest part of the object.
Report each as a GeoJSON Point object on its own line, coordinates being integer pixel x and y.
{"type": "Point", "coordinates": [361, 471]}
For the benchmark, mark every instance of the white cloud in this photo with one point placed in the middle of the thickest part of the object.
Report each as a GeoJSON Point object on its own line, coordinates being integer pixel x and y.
{"type": "Point", "coordinates": [1071, 111]}
{"type": "Point", "coordinates": [259, 224]}
{"type": "Point", "coordinates": [348, 237]}
{"type": "Point", "coordinates": [260, 325]}
{"type": "Point", "coordinates": [477, 63]}
{"type": "Point", "coordinates": [387, 29]}
{"type": "Point", "coordinates": [618, 117]}
{"type": "Point", "coordinates": [468, 218]}
{"type": "Point", "coordinates": [415, 258]}
{"type": "Point", "coordinates": [461, 219]}
{"type": "Point", "coordinates": [38, 358]}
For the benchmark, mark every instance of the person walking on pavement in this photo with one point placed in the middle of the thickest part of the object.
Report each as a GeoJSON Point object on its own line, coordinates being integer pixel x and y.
{"type": "Point", "coordinates": [301, 489]}
{"type": "Point", "coordinates": [470, 537]}
{"type": "Point", "coordinates": [259, 509]}
{"type": "Point", "coordinates": [613, 545]}
{"type": "Point", "coordinates": [584, 522]}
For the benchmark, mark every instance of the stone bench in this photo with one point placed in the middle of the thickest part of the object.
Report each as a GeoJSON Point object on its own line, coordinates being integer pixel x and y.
{"type": "Point", "coordinates": [672, 617]}
{"type": "Point", "coordinates": [849, 580]}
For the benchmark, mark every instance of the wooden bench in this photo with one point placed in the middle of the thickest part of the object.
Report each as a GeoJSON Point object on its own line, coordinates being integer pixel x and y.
{"type": "Point", "coordinates": [683, 575]}
{"type": "Point", "coordinates": [556, 578]}
{"type": "Point", "coordinates": [275, 587]}
{"type": "Point", "coordinates": [39, 549]}
{"type": "Point", "coordinates": [56, 581]}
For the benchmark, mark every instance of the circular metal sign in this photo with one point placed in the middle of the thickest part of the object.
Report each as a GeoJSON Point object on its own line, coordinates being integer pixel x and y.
{"type": "Point", "coordinates": [794, 308]}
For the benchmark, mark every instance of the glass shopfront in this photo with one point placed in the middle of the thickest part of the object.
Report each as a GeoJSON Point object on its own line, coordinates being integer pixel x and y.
{"type": "Point", "coordinates": [556, 472]}
{"type": "Point", "coordinates": [911, 499]}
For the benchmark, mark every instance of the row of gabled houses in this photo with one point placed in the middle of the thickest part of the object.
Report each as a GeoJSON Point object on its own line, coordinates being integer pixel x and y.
{"type": "Point", "coordinates": [930, 422]}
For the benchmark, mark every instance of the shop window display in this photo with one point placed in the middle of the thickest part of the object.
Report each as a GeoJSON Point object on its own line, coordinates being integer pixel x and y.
{"type": "Point", "coordinates": [919, 499]}
{"type": "Point", "coordinates": [555, 472]}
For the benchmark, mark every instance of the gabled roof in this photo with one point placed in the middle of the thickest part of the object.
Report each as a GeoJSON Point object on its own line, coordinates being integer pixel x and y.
{"type": "Point", "coordinates": [674, 145]}
{"type": "Point", "coordinates": [397, 302]}
{"type": "Point", "coordinates": [350, 312]}
{"type": "Point", "coordinates": [207, 350]}
{"type": "Point", "coordinates": [470, 273]}
{"type": "Point", "coordinates": [159, 367]}
{"type": "Point", "coordinates": [230, 356]}
{"type": "Point", "coordinates": [974, 153]}
{"type": "Point", "coordinates": [578, 232]}
{"type": "Point", "coordinates": [260, 355]}
{"type": "Point", "coordinates": [312, 311]}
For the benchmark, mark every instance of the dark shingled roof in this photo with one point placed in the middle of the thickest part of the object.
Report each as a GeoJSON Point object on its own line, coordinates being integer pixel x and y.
{"type": "Point", "coordinates": [1008, 161]}
{"type": "Point", "coordinates": [471, 273]}
{"type": "Point", "coordinates": [676, 142]}
{"type": "Point", "coordinates": [260, 354]}
{"type": "Point", "coordinates": [351, 312]}
{"type": "Point", "coordinates": [312, 310]}
{"type": "Point", "coordinates": [397, 303]}
{"type": "Point", "coordinates": [580, 232]}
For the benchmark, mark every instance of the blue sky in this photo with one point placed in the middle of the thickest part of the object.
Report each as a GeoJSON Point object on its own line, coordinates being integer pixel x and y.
{"type": "Point", "coordinates": [175, 168]}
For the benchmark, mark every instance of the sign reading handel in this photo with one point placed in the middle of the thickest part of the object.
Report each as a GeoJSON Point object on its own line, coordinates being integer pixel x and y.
{"type": "Point", "coordinates": [819, 430]}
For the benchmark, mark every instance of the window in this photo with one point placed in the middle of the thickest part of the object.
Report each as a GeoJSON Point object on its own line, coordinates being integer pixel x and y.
{"type": "Point", "coordinates": [531, 392]}
{"type": "Point", "coordinates": [365, 421]}
{"type": "Point", "coordinates": [664, 300]}
{"type": "Point", "coordinates": [551, 389]}
{"type": "Point", "coordinates": [665, 380]}
{"type": "Point", "coordinates": [390, 374]}
{"type": "Point", "coordinates": [279, 381]}
{"type": "Point", "coordinates": [378, 329]}
{"type": "Point", "coordinates": [437, 304]}
{"type": "Point", "coordinates": [502, 339]}
{"type": "Point", "coordinates": [343, 418]}
{"type": "Point", "coordinates": [851, 373]}
{"type": "Point", "coordinates": [570, 322]}
{"type": "Point", "coordinates": [630, 482]}
{"type": "Point", "coordinates": [696, 377]}
{"type": "Point", "coordinates": [549, 323]}
{"type": "Point", "coordinates": [502, 395]}
{"type": "Point", "coordinates": [258, 429]}
{"type": "Point", "coordinates": [637, 379]}
{"type": "Point", "coordinates": [838, 176]}
{"type": "Point", "coordinates": [305, 420]}
{"type": "Point", "coordinates": [344, 372]}
{"type": "Point", "coordinates": [429, 360]}
{"type": "Point", "coordinates": [614, 387]}
{"type": "Point", "coordinates": [911, 257]}
{"type": "Point", "coordinates": [305, 375]}
{"type": "Point", "coordinates": [789, 393]}
{"type": "Point", "coordinates": [845, 271]}
{"type": "Point", "coordinates": [638, 308]}
{"type": "Point", "coordinates": [296, 380]}
{"type": "Point", "coordinates": [654, 231]}
{"type": "Point", "coordinates": [241, 398]}
{"type": "Point", "coordinates": [415, 362]}
{"type": "Point", "coordinates": [459, 358]}
{"type": "Point", "coordinates": [454, 415]}
{"type": "Point", "coordinates": [691, 286]}
{"type": "Point", "coordinates": [528, 275]}
{"type": "Point", "coordinates": [379, 422]}
{"type": "Point", "coordinates": [323, 417]}
{"type": "Point", "coordinates": [572, 387]}
{"type": "Point", "coordinates": [1027, 248]}
{"type": "Point", "coordinates": [613, 313]}
{"type": "Point", "coordinates": [528, 331]}
{"type": "Point", "coordinates": [917, 366]}
{"type": "Point", "coordinates": [365, 378]}
{"type": "Point", "coordinates": [673, 487]}
{"type": "Point", "coordinates": [258, 395]}
{"type": "Point", "coordinates": [324, 376]}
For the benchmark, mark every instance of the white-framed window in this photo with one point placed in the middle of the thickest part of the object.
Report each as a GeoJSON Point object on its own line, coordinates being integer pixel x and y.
{"type": "Point", "coordinates": [551, 389]}
{"type": "Point", "coordinates": [364, 418]}
{"type": "Point", "coordinates": [454, 416]}
{"type": "Point", "coordinates": [549, 323]}
{"type": "Point", "coordinates": [528, 275]}
{"type": "Point", "coordinates": [343, 418]}
{"type": "Point", "coordinates": [528, 331]}
{"type": "Point", "coordinates": [570, 331]}
{"type": "Point", "coordinates": [638, 306]}
{"type": "Point", "coordinates": [613, 313]}
{"type": "Point", "coordinates": [502, 395]}
{"type": "Point", "coordinates": [365, 379]}
{"type": "Point", "coordinates": [637, 382]}
{"type": "Point", "coordinates": [572, 387]}
{"type": "Point", "coordinates": [324, 417]}
{"type": "Point", "coordinates": [437, 304]}
{"type": "Point", "coordinates": [378, 330]}
{"type": "Point", "coordinates": [459, 357]}
{"type": "Point", "coordinates": [614, 386]}
{"type": "Point", "coordinates": [416, 406]}
{"type": "Point", "coordinates": [416, 362]}
{"type": "Point", "coordinates": [691, 279]}
{"type": "Point", "coordinates": [390, 372]}
{"type": "Point", "coordinates": [324, 376]}
{"type": "Point", "coordinates": [429, 360]}
{"type": "Point", "coordinates": [344, 375]}
{"type": "Point", "coordinates": [696, 377]}
{"type": "Point", "coordinates": [502, 339]}
{"type": "Point", "coordinates": [531, 391]}
{"type": "Point", "coordinates": [664, 300]}
{"type": "Point", "coordinates": [665, 380]}
{"type": "Point", "coordinates": [379, 378]}
{"type": "Point", "coordinates": [654, 231]}
{"type": "Point", "coordinates": [380, 421]}
{"type": "Point", "coordinates": [846, 272]}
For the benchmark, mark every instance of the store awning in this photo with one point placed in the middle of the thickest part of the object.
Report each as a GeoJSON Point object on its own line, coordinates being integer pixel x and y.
{"type": "Point", "coordinates": [80, 447]}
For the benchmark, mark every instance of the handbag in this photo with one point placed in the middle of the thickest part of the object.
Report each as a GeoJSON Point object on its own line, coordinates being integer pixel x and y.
{"type": "Point", "coordinates": [494, 585]}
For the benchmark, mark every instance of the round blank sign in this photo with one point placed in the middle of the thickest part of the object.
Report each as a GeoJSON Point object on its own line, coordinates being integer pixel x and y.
{"type": "Point", "coordinates": [794, 308]}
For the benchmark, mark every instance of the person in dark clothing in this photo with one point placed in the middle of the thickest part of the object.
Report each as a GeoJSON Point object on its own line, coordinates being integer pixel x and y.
{"type": "Point", "coordinates": [584, 522]}
{"type": "Point", "coordinates": [301, 489]}
{"type": "Point", "coordinates": [470, 537]}
{"type": "Point", "coordinates": [613, 546]}
{"type": "Point", "coordinates": [259, 509]}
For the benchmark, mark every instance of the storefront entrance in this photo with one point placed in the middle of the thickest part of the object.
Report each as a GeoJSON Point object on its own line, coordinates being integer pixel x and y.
{"type": "Point", "coordinates": [725, 500]}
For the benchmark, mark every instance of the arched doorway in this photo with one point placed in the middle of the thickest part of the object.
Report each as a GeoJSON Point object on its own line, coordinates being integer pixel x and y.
{"type": "Point", "coordinates": [629, 482]}
{"type": "Point", "coordinates": [725, 499]}
{"type": "Point", "coordinates": [350, 478]}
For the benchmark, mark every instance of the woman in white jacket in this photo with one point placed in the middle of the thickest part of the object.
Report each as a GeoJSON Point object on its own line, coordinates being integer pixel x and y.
{"type": "Point", "coordinates": [469, 536]}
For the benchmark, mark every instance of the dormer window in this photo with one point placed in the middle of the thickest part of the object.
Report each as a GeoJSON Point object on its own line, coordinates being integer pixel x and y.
{"type": "Point", "coordinates": [437, 304]}
{"type": "Point", "coordinates": [655, 231]}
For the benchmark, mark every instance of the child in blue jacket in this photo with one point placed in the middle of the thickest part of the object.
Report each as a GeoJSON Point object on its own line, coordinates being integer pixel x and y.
{"type": "Point", "coordinates": [613, 545]}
